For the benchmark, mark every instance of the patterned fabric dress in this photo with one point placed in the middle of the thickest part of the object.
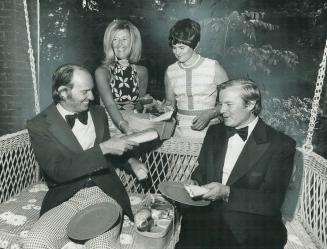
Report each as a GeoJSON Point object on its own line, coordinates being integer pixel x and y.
{"type": "Point", "coordinates": [195, 90]}
{"type": "Point", "coordinates": [124, 85]}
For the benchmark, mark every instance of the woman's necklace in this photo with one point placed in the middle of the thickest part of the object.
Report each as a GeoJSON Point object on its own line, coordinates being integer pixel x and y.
{"type": "Point", "coordinates": [123, 62]}
{"type": "Point", "coordinates": [192, 64]}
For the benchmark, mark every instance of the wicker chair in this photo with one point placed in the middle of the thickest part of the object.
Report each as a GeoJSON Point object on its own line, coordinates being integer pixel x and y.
{"type": "Point", "coordinates": [21, 190]}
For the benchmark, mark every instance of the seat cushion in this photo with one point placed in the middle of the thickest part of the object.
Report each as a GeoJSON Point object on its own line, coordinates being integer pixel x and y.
{"type": "Point", "coordinates": [19, 213]}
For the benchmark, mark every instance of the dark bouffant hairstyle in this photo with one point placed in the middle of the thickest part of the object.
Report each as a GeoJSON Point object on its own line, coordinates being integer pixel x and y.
{"type": "Point", "coordinates": [185, 31]}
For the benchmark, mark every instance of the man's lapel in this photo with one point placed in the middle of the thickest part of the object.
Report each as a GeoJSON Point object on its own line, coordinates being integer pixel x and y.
{"type": "Point", "coordinates": [98, 124]}
{"type": "Point", "coordinates": [215, 154]}
{"type": "Point", "coordinates": [254, 148]}
{"type": "Point", "coordinates": [220, 153]}
{"type": "Point", "coordinates": [60, 129]}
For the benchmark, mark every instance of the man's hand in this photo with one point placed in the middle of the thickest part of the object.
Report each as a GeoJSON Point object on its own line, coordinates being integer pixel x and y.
{"type": "Point", "coordinates": [202, 120]}
{"type": "Point", "coordinates": [139, 169]}
{"type": "Point", "coordinates": [217, 191]}
{"type": "Point", "coordinates": [117, 146]}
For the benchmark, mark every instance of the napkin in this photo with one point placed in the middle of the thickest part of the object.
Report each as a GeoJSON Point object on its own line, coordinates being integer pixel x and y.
{"type": "Point", "coordinates": [143, 136]}
{"type": "Point", "coordinates": [195, 190]}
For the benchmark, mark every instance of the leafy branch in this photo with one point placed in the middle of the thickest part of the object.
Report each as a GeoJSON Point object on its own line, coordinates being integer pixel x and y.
{"type": "Point", "coordinates": [246, 23]}
{"type": "Point", "coordinates": [264, 57]}
{"type": "Point", "coordinates": [290, 115]}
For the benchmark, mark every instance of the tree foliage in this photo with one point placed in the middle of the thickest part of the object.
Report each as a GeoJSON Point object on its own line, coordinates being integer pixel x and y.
{"type": "Point", "coordinates": [233, 31]}
{"type": "Point", "coordinates": [258, 56]}
{"type": "Point", "coordinates": [264, 57]}
{"type": "Point", "coordinates": [54, 31]}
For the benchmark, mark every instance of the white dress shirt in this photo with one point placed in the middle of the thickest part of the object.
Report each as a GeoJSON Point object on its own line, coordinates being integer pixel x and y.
{"type": "Point", "coordinates": [234, 148]}
{"type": "Point", "coordinates": [85, 134]}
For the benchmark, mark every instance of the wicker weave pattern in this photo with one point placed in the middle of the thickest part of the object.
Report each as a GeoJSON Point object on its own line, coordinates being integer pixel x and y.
{"type": "Point", "coordinates": [313, 202]}
{"type": "Point", "coordinates": [18, 167]}
{"type": "Point", "coordinates": [174, 160]}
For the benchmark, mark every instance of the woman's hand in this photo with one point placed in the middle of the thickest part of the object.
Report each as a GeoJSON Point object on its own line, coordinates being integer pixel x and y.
{"type": "Point", "coordinates": [125, 128]}
{"type": "Point", "coordinates": [163, 106]}
{"type": "Point", "coordinates": [201, 121]}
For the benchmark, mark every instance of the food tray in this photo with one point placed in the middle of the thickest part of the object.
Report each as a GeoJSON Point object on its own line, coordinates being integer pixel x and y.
{"type": "Point", "coordinates": [162, 229]}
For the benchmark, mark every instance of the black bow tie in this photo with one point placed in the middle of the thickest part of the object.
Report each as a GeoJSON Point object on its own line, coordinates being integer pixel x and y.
{"type": "Point", "coordinates": [81, 116]}
{"type": "Point", "coordinates": [243, 132]}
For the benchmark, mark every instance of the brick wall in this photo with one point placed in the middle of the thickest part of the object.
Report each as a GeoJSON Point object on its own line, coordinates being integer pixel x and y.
{"type": "Point", "coordinates": [16, 87]}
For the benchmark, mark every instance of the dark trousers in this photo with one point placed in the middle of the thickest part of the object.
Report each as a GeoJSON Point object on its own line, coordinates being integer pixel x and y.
{"type": "Point", "coordinates": [205, 228]}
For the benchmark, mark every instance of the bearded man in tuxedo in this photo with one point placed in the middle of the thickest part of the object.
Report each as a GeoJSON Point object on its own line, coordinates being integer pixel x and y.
{"type": "Point", "coordinates": [246, 165]}
{"type": "Point", "coordinates": [77, 157]}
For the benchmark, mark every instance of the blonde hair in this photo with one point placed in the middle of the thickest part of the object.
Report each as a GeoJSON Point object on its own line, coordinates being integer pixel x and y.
{"type": "Point", "coordinates": [249, 92]}
{"type": "Point", "coordinates": [135, 46]}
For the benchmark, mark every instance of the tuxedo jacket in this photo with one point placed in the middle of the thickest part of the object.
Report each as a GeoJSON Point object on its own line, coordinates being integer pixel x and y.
{"type": "Point", "coordinates": [258, 181]}
{"type": "Point", "coordinates": [66, 167]}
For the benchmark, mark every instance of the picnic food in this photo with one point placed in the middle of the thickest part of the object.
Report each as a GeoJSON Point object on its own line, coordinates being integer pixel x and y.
{"type": "Point", "coordinates": [143, 219]}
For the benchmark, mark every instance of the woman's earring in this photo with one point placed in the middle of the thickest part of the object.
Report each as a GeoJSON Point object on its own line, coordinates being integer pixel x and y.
{"type": "Point", "coordinates": [197, 50]}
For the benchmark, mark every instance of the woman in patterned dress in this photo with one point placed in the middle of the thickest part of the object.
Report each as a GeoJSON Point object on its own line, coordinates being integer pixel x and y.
{"type": "Point", "coordinates": [191, 82]}
{"type": "Point", "coordinates": [119, 80]}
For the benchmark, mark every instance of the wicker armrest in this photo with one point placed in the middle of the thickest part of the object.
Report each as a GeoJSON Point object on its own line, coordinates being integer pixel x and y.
{"type": "Point", "coordinates": [18, 167]}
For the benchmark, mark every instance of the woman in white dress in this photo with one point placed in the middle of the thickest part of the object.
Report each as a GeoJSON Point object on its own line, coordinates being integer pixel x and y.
{"type": "Point", "coordinates": [191, 82]}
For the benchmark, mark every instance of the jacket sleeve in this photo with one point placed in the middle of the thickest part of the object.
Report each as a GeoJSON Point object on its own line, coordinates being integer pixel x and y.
{"type": "Point", "coordinates": [58, 162]}
{"type": "Point", "coordinates": [268, 198]}
{"type": "Point", "coordinates": [116, 161]}
{"type": "Point", "coordinates": [200, 172]}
